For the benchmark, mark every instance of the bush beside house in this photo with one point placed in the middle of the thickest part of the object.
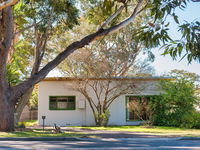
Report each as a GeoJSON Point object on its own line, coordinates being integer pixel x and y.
{"type": "Point", "coordinates": [177, 106]}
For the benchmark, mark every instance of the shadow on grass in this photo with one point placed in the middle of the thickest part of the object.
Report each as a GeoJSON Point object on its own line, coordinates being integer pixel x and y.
{"type": "Point", "coordinates": [39, 133]}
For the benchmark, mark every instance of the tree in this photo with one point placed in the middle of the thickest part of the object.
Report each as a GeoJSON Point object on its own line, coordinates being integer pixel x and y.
{"type": "Point", "coordinates": [184, 75]}
{"type": "Point", "coordinates": [100, 94]}
{"type": "Point", "coordinates": [33, 47]}
{"type": "Point", "coordinates": [177, 105]}
{"type": "Point", "coordinates": [155, 32]}
{"type": "Point", "coordinates": [9, 95]}
{"type": "Point", "coordinates": [43, 27]}
{"type": "Point", "coordinates": [188, 45]}
{"type": "Point", "coordinates": [100, 67]}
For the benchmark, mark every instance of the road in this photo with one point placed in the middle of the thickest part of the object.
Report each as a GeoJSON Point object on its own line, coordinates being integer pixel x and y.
{"type": "Point", "coordinates": [106, 143]}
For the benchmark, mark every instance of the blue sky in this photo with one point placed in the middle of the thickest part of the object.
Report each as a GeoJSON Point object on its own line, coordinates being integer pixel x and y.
{"type": "Point", "coordinates": [164, 64]}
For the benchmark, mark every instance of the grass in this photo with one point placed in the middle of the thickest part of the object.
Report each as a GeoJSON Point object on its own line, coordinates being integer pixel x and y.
{"type": "Point", "coordinates": [39, 133]}
{"type": "Point", "coordinates": [156, 130]}
{"type": "Point", "coordinates": [29, 123]}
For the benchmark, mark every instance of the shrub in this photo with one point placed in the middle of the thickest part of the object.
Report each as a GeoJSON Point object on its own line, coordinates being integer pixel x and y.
{"type": "Point", "coordinates": [196, 120]}
{"type": "Point", "coordinates": [103, 118]}
{"type": "Point", "coordinates": [21, 125]}
{"type": "Point", "coordinates": [176, 107]}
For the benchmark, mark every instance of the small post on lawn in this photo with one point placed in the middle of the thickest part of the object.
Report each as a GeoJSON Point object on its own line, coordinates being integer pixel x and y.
{"type": "Point", "coordinates": [43, 118]}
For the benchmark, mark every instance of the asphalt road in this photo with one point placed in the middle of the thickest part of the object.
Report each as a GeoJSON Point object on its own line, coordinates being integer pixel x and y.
{"type": "Point", "coordinates": [107, 143]}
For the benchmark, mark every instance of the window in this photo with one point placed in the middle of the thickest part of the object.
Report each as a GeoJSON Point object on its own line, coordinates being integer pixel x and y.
{"type": "Point", "coordinates": [137, 108]}
{"type": "Point", "coordinates": [62, 102]}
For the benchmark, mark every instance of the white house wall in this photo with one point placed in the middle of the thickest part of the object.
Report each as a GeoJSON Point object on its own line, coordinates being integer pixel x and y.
{"type": "Point", "coordinates": [82, 117]}
{"type": "Point", "coordinates": [60, 117]}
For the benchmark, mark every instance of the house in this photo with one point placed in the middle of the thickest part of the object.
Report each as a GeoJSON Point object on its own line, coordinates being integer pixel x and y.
{"type": "Point", "coordinates": [60, 103]}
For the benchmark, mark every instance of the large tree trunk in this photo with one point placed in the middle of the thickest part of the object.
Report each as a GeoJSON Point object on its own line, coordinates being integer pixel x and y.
{"type": "Point", "coordinates": [6, 103]}
{"type": "Point", "coordinates": [7, 116]}
{"type": "Point", "coordinates": [6, 111]}
{"type": "Point", "coordinates": [23, 101]}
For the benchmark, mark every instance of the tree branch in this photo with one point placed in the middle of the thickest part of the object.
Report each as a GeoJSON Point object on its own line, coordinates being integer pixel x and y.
{"type": "Point", "coordinates": [108, 20]}
{"type": "Point", "coordinates": [24, 86]}
{"type": "Point", "coordinates": [7, 3]}
{"type": "Point", "coordinates": [28, 27]}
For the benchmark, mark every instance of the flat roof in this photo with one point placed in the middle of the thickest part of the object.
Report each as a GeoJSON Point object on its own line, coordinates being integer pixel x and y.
{"type": "Point", "coordinates": [113, 78]}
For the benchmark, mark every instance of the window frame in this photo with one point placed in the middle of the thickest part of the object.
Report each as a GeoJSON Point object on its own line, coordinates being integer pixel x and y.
{"type": "Point", "coordinates": [126, 103]}
{"type": "Point", "coordinates": [63, 108]}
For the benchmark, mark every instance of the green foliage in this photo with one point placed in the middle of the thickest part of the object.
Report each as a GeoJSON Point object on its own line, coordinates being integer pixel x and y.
{"type": "Point", "coordinates": [161, 9]}
{"type": "Point", "coordinates": [49, 13]}
{"type": "Point", "coordinates": [29, 123]}
{"type": "Point", "coordinates": [154, 30]}
{"type": "Point", "coordinates": [42, 16]}
{"type": "Point", "coordinates": [19, 65]}
{"type": "Point", "coordinates": [98, 11]}
{"type": "Point", "coordinates": [33, 102]}
{"type": "Point", "coordinates": [21, 125]}
{"type": "Point", "coordinates": [185, 75]}
{"type": "Point", "coordinates": [152, 37]}
{"type": "Point", "coordinates": [176, 107]}
{"type": "Point", "coordinates": [12, 74]}
{"type": "Point", "coordinates": [196, 120]}
{"type": "Point", "coordinates": [189, 44]}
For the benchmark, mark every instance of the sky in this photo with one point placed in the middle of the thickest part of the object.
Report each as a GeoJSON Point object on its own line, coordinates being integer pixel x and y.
{"type": "Point", "coordinates": [164, 64]}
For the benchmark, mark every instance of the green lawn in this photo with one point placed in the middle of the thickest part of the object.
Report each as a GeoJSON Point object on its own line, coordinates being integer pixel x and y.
{"type": "Point", "coordinates": [29, 123]}
{"type": "Point", "coordinates": [156, 130]}
{"type": "Point", "coordinates": [38, 133]}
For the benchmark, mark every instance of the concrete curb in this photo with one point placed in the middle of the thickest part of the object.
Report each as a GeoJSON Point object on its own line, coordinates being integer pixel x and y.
{"type": "Point", "coordinates": [40, 139]}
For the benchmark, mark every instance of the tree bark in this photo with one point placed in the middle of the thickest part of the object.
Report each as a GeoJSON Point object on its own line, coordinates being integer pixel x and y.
{"type": "Point", "coordinates": [6, 113]}
{"type": "Point", "coordinates": [23, 101]}
{"type": "Point", "coordinates": [7, 3]}
{"type": "Point", "coordinates": [6, 104]}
